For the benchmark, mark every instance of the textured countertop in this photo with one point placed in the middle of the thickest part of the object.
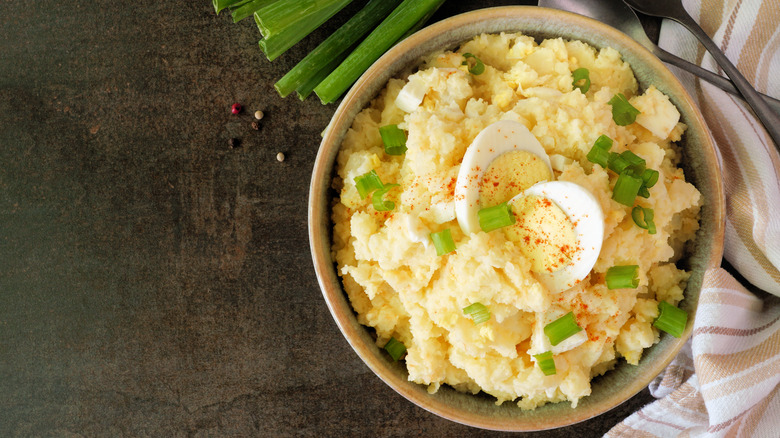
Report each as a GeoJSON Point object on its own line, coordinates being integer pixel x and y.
{"type": "Point", "coordinates": [155, 281]}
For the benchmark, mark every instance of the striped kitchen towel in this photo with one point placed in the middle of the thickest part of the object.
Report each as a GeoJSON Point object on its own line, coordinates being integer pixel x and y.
{"type": "Point", "coordinates": [726, 382]}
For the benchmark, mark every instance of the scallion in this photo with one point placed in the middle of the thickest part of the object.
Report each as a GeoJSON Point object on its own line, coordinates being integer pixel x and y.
{"type": "Point", "coordinates": [581, 79]}
{"type": "Point", "coordinates": [635, 162]}
{"type": "Point", "coordinates": [443, 242]}
{"type": "Point", "coordinates": [599, 153]}
{"type": "Point", "coordinates": [394, 139]}
{"type": "Point", "coordinates": [649, 177]}
{"type": "Point", "coordinates": [598, 156]}
{"type": "Point", "coordinates": [626, 188]}
{"type": "Point", "coordinates": [546, 363]}
{"type": "Point", "coordinates": [247, 9]}
{"type": "Point", "coordinates": [304, 89]}
{"type": "Point", "coordinates": [283, 24]}
{"type": "Point", "coordinates": [475, 65]}
{"type": "Point", "coordinates": [603, 142]}
{"type": "Point", "coordinates": [367, 182]}
{"type": "Point", "coordinates": [478, 312]}
{"type": "Point", "coordinates": [643, 218]}
{"type": "Point", "coordinates": [377, 200]}
{"type": "Point", "coordinates": [623, 113]}
{"type": "Point", "coordinates": [617, 163]}
{"type": "Point", "coordinates": [671, 319]}
{"type": "Point", "coordinates": [395, 348]}
{"type": "Point", "coordinates": [561, 329]}
{"type": "Point", "coordinates": [219, 5]}
{"type": "Point", "coordinates": [623, 277]}
{"type": "Point", "coordinates": [387, 33]}
{"type": "Point", "coordinates": [277, 17]}
{"type": "Point", "coordinates": [627, 160]}
{"type": "Point", "coordinates": [495, 217]}
{"type": "Point", "coordinates": [317, 64]}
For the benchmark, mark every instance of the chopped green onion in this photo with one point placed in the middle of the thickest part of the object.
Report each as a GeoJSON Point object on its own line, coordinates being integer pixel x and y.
{"type": "Point", "coordinates": [643, 218]}
{"type": "Point", "coordinates": [561, 329]}
{"type": "Point", "coordinates": [581, 79]}
{"type": "Point", "coordinates": [603, 142]}
{"type": "Point", "coordinates": [387, 33]}
{"type": "Point", "coordinates": [248, 8]}
{"type": "Point", "coordinates": [671, 319]}
{"type": "Point", "coordinates": [623, 113]}
{"type": "Point", "coordinates": [617, 163]}
{"type": "Point", "coordinates": [598, 156]}
{"type": "Point", "coordinates": [627, 160]}
{"type": "Point", "coordinates": [623, 277]}
{"type": "Point", "coordinates": [495, 217]}
{"type": "Point", "coordinates": [379, 203]}
{"type": "Point", "coordinates": [626, 188]}
{"type": "Point", "coordinates": [219, 5]}
{"type": "Point", "coordinates": [443, 242]}
{"type": "Point", "coordinates": [478, 312]}
{"type": "Point", "coordinates": [635, 162]}
{"type": "Point", "coordinates": [285, 23]}
{"type": "Point", "coordinates": [395, 348]}
{"type": "Point", "coordinates": [394, 139]}
{"type": "Point", "coordinates": [643, 192]}
{"type": "Point", "coordinates": [599, 153]}
{"type": "Point", "coordinates": [367, 182]}
{"type": "Point", "coordinates": [321, 61]}
{"type": "Point", "coordinates": [546, 363]}
{"type": "Point", "coordinates": [475, 65]}
{"type": "Point", "coordinates": [649, 177]}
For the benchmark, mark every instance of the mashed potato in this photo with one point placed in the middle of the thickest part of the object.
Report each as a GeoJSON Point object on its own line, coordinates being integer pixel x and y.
{"type": "Point", "coordinates": [397, 283]}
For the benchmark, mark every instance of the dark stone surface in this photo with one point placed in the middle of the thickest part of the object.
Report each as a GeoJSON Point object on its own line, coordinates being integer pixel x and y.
{"type": "Point", "coordinates": [154, 281]}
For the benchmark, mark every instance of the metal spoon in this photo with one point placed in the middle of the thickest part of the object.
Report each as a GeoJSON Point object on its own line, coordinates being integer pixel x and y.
{"type": "Point", "coordinates": [618, 15]}
{"type": "Point", "coordinates": [674, 10]}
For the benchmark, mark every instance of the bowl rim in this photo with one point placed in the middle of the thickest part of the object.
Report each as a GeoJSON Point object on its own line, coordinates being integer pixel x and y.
{"type": "Point", "coordinates": [319, 224]}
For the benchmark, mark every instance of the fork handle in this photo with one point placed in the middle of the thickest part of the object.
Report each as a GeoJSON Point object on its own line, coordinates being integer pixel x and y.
{"type": "Point", "coordinates": [713, 78]}
{"type": "Point", "coordinates": [764, 113]}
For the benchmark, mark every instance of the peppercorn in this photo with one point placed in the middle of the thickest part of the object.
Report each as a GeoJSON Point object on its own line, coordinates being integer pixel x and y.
{"type": "Point", "coordinates": [234, 143]}
{"type": "Point", "coordinates": [236, 108]}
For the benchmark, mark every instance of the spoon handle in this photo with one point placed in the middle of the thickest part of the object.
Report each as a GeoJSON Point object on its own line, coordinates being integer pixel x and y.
{"type": "Point", "coordinates": [713, 78]}
{"type": "Point", "coordinates": [770, 120]}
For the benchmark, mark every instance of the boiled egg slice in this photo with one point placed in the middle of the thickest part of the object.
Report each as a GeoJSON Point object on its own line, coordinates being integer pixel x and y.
{"type": "Point", "coordinates": [503, 160]}
{"type": "Point", "coordinates": [559, 228]}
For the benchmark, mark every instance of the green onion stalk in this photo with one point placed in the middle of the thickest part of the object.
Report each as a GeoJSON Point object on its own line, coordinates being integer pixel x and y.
{"type": "Point", "coordinates": [321, 61]}
{"type": "Point", "coordinates": [283, 24]}
{"type": "Point", "coordinates": [390, 30]}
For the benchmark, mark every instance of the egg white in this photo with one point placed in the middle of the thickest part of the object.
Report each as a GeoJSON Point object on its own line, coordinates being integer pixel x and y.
{"type": "Point", "coordinates": [584, 212]}
{"type": "Point", "coordinates": [496, 139]}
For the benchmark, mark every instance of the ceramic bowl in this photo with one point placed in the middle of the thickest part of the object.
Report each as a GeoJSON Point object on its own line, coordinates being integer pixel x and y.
{"type": "Point", "coordinates": [699, 163]}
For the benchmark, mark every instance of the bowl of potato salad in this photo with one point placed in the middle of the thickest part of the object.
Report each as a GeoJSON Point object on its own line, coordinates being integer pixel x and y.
{"type": "Point", "coordinates": [510, 217]}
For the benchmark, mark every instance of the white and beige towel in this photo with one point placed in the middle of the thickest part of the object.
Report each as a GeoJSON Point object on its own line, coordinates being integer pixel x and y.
{"type": "Point", "coordinates": [726, 382]}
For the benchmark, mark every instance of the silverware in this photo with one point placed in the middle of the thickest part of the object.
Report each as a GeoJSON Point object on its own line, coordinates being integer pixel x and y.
{"type": "Point", "coordinates": [674, 10]}
{"type": "Point", "coordinates": [618, 15]}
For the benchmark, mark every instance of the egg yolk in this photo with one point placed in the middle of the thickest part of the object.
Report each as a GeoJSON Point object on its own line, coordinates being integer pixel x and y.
{"type": "Point", "coordinates": [509, 174]}
{"type": "Point", "coordinates": [545, 234]}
